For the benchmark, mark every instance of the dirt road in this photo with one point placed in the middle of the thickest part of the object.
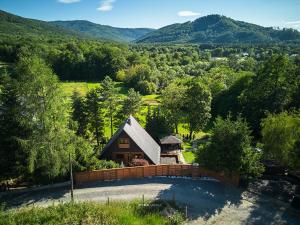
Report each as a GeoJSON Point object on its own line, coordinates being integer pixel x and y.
{"type": "Point", "coordinates": [208, 201]}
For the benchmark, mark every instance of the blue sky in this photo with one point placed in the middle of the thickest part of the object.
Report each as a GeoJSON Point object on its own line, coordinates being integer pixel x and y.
{"type": "Point", "coordinates": [157, 13]}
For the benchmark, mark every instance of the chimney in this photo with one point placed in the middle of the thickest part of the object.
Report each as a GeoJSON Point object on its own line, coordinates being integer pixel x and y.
{"type": "Point", "coordinates": [129, 121]}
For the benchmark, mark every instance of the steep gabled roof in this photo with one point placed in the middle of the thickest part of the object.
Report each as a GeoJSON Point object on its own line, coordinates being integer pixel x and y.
{"type": "Point", "coordinates": [134, 130]}
{"type": "Point", "coordinates": [170, 140]}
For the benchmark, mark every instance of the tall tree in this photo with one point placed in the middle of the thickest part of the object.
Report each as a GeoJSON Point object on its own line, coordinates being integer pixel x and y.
{"type": "Point", "coordinates": [80, 114]}
{"type": "Point", "coordinates": [42, 109]}
{"type": "Point", "coordinates": [95, 112]}
{"type": "Point", "coordinates": [271, 90]}
{"type": "Point", "coordinates": [111, 100]}
{"type": "Point", "coordinates": [132, 103]}
{"type": "Point", "coordinates": [173, 102]}
{"type": "Point", "coordinates": [12, 157]}
{"type": "Point", "coordinates": [198, 106]}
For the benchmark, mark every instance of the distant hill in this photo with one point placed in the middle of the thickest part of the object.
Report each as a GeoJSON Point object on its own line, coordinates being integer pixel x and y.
{"type": "Point", "coordinates": [15, 25]}
{"type": "Point", "coordinates": [104, 32]}
{"type": "Point", "coordinates": [219, 29]}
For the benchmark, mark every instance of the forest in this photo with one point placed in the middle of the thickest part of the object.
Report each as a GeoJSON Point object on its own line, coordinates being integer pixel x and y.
{"type": "Point", "coordinates": [243, 97]}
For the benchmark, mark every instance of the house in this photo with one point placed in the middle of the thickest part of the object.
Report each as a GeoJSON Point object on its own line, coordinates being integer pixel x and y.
{"type": "Point", "coordinates": [130, 142]}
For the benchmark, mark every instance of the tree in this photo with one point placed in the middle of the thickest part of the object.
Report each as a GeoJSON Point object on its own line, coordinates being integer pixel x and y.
{"type": "Point", "coordinates": [230, 149]}
{"type": "Point", "coordinates": [173, 100]}
{"type": "Point", "coordinates": [198, 106]}
{"type": "Point", "coordinates": [80, 114]}
{"type": "Point", "coordinates": [132, 103]}
{"type": "Point", "coordinates": [95, 112]}
{"type": "Point", "coordinates": [157, 124]}
{"type": "Point", "coordinates": [271, 90]}
{"type": "Point", "coordinates": [12, 156]}
{"type": "Point", "coordinates": [110, 95]}
{"type": "Point", "coordinates": [42, 109]}
{"type": "Point", "coordinates": [281, 138]}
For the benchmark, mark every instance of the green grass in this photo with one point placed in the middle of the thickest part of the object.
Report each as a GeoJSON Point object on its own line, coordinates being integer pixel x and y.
{"type": "Point", "coordinates": [151, 99]}
{"type": "Point", "coordinates": [189, 156]}
{"type": "Point", "coordinates": [90, 213]}
{"type": "Point", "coordinates": [81, 87]}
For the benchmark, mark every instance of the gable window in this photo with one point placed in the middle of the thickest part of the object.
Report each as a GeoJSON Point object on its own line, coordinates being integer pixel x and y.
{"type": "Point", "coordinates": [123, 142]}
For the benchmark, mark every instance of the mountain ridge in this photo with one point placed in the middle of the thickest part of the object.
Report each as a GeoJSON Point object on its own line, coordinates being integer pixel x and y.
{"type": "Point", "coordinates": [103, 31]}
{"type": "Point", "coordinates": [211, 29]}
{"type": "Point", "coordinates": [11, 24]}
{"type": "Point", "coordinates": [218, 29]}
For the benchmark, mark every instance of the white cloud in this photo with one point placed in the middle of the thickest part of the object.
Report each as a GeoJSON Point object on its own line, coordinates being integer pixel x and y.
{"type": "Point", "coordinates": [106, 5]}
{"type": "Point", "coordinates": [293, 22]}
{"type": "Point", "coordinates": [188, 13]}
{"type": "Point", "coordinates": [68, 1]}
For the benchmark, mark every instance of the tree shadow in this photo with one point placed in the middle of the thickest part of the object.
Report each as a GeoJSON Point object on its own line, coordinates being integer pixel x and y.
{"type": "Point", "coordinates": [271, 203]}
{"type": "Point", "coordinates": [202, 198]}
{"type": "Point", "coordinates": [15, 199]}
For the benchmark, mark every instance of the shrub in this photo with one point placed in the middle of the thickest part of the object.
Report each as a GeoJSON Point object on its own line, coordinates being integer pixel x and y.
{"type": "Point", "coordinates": [97, 164]}
{"type": "Point", "coordinates": [230, 150]}
{"type": "Point", "coordinates": [139, 162]}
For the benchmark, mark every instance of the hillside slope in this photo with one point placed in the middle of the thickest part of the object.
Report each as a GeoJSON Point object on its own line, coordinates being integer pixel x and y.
{"type": "Point", "coordinates": [104, 32]}
{"type": "Point", "coordinates": [219, 29]}
{"type": "Point", "coordinates": [15, 25]}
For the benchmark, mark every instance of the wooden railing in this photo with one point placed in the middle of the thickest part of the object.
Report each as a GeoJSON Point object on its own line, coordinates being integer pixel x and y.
{"type": "Point", "coordinates": [152, 171]}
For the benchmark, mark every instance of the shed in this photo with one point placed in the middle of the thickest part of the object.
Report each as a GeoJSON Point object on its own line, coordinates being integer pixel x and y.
{"type": "Point", "coordinates": [170, 143]}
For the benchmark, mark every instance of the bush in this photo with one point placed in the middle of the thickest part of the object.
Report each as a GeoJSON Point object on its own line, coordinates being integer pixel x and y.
{"type": "Point", "coordinates": [230, 150]}
{"type": "Point", "coordinates": [146, 87]}
{"type": "Point", "coordinates": [97, 164]}
{"type": "Point", "coordinates": [281, 138]}
{"type": "Point", "coordinates": [139, 162]}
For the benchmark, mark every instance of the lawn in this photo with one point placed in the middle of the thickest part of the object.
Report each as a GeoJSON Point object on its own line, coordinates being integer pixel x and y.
{"type": "Point", "coordinates": [91, 213]}
{"type": "Point", "coordinates": [189, 156]}
{"type": "Point", "coordinates": [81, 87]}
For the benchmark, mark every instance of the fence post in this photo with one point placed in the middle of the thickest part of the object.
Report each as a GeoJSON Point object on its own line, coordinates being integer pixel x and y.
{"type": "Point", "coordinates": [107, 200]}
{"type": "Point", "coordinates": [186, 213]}
{"type": "Point", "coordinates": [143, 200]}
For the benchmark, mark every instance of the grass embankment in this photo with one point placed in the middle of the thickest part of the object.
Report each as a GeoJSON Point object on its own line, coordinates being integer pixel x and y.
{"type": "Point", "coordinates": [91, 213]}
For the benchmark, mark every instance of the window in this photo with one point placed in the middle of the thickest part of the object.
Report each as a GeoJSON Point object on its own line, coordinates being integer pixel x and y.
{"type": "Point", "coordinates": [123, 142]}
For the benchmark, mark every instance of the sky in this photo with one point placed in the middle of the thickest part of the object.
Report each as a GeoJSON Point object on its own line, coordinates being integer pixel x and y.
{"type": "Point", "coordinates": [157, 13]}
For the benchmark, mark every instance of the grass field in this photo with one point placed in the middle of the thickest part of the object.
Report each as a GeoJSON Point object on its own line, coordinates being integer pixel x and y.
{"type": "Point", "coordinates": [90, 213]}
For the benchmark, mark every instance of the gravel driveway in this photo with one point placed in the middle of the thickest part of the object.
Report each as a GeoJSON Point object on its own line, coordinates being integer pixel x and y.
{"type": "Point", "coordinates": [208, 201]}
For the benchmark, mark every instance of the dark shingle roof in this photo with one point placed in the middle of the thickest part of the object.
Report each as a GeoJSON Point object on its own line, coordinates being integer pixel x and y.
{"type": "Point", "coordinates": [170, 140]}
{"type": "Point", "coordinates": [140, 137]}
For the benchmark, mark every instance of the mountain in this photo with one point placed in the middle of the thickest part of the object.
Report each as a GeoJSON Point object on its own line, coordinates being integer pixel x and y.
{"type": "Point", "coordinates": [219, 29]}
{"type": "Point", "coordinates": [15, 25]}
{"type": "Point", "coordinates": [104, 32]}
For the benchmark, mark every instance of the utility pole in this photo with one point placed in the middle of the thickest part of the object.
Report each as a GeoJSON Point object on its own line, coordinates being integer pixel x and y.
{"type": "Point", "coordinates": [71, 178]}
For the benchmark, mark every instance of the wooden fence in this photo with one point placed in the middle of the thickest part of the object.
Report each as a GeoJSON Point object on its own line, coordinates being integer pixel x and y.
{"type": "Point", "coordinates": [152, 171]}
